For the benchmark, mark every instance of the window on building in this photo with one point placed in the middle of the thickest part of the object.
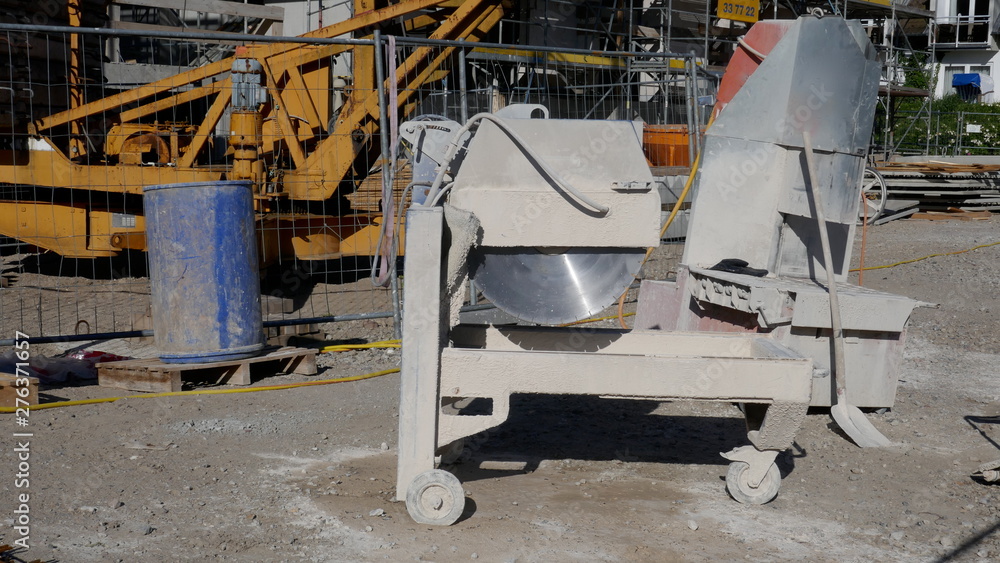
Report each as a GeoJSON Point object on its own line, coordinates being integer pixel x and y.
{"type": "Point", "coordinates": [987, 88]}
{"type": "Point", "coordinates": [949, 72]}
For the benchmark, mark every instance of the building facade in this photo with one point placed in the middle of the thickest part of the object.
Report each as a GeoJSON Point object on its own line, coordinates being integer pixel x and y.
{"type": "Point", "coordinates": [965, 42]}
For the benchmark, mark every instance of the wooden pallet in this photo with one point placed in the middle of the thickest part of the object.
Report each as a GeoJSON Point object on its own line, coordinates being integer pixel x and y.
{"type": "Point", "coordinates": [9, 391]}
{"type": "Point", "coordinates": [155, 376]}
{"type": "Point", "coordinates": [934, 167]}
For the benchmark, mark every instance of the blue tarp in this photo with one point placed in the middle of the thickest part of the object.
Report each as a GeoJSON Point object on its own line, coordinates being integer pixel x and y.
{"type": "Point", "coordinates": [969, 79]}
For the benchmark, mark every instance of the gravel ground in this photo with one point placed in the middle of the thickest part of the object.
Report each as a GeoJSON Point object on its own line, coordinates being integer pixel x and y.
{"type": "Point", "coordinates": [307, 474]}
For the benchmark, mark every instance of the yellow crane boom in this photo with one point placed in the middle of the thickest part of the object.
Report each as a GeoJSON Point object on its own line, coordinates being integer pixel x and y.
{"type": "Point", "coordinates": [294, 141]}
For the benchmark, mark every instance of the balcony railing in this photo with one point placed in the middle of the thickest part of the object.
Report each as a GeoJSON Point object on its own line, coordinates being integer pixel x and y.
{"type": "Point", "coordinates": [959, 32]}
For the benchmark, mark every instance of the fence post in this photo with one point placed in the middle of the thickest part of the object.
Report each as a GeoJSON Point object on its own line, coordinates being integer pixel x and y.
{"type": "Point", "coordinates": [691, 102]}
{"type": "Point", "coordinates": [462, 90]}
{"type": "Point", "coordinates": [463, 102]}
{"type": "Point", "coordinates": [927, 137]}
{"type": "Point", "coordinates": [697, 112]}
{"type": "Point", "coordinates": [960, 123]}
{"type": "Point", "coordinates": [937, 135]}
{"type": "Point", "coordinates": [387, 177]}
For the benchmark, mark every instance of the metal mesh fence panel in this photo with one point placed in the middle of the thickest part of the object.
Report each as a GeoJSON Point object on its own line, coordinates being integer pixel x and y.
{"type": "Point", "coordinates": [950, 133]}
{"type": "Point", "coordinates": [304, 120]}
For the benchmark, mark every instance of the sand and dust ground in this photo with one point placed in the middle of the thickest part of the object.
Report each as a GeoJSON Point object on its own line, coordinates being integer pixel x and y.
{"type": "Point", "coordinates": [308, 474]}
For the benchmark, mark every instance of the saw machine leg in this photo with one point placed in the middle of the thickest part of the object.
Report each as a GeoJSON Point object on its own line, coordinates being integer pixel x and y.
{"type": "Point", "coordinates": [432, 496]}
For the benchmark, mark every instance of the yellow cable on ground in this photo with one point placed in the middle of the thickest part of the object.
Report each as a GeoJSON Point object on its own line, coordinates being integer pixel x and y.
{"type": "Point", "coordinates": [347, 347]}
{"type": "Point", "coordinates": [204, 392]}
{"type": "Point", "coordinates": [925, 258]}
{"type": "Point", "coordinates": [334, 348]}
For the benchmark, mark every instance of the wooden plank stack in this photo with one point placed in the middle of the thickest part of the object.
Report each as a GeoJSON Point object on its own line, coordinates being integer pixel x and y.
{"type": "Point", "coordinates": [939, 186]}
{"type": "Point", "coordinates": [368, 195]}
{"type": "Point", "coordinates": [953, 214]}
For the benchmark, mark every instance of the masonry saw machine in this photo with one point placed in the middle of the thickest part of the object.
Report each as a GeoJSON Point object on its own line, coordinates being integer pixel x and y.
{"type": "Point", "coordinates": [551, 220]}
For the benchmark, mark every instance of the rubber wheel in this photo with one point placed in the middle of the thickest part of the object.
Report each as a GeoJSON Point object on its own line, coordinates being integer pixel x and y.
{"type": "Point", "coordinates": [740, 489]}
{"type": "Point", "coordinates": [435, 497]}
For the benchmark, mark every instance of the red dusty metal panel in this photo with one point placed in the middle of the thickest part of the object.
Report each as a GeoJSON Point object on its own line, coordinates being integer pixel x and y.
{"type": "Point", "coordinates": [762, 37]}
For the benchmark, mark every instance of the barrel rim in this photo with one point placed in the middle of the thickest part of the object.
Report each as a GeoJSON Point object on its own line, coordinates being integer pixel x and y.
{"type": "Point", "coordinates": [207, 184]}
{"type": "Point", "coordinates": [208, 357]}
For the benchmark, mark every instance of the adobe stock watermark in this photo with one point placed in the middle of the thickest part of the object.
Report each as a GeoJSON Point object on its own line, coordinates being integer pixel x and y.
{"type": "Point", "coordinates": [22, 442]}
{"type": "Point", "coordinates": [790, 127]}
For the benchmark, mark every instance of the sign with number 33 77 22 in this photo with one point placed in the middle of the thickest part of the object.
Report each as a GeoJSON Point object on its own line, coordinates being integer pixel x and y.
{"type": "Point", "coordinates": [739, 10]}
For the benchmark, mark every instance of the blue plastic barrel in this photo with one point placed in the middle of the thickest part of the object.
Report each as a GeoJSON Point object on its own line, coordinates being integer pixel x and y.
{"type": "Point", "coordinates": [204, 284]}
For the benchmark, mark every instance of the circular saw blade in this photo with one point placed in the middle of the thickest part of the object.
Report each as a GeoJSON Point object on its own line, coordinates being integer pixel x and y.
{"type": "Point", "coordinates": [545, 287]}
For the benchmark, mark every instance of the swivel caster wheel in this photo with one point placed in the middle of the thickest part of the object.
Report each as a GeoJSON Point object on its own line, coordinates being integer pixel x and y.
{"type": "Point", "coordinates": [435, 497]}
{"type": "Point", "coordinates": [740, 488]}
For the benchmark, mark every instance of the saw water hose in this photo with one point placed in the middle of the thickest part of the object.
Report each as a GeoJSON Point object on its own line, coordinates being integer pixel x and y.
{"type": "Point", "coordinates": [432, 194]}
{"type": "Point", "coordinates": [334, 348]}
{"type": "Point", "coordinates": [594, 320]}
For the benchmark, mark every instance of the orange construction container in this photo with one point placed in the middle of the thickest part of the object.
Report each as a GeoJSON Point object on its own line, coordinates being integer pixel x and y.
{"type": "Point", "coordinates": [666, 145]}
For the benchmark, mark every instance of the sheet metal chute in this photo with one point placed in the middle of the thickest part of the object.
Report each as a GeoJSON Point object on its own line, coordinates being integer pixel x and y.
{"type": "Point", "coordinates": [820, 75]}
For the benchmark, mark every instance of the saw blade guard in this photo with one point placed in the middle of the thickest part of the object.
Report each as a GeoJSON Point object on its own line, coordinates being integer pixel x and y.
{"type": "Point", "coordinates": [567, 209]}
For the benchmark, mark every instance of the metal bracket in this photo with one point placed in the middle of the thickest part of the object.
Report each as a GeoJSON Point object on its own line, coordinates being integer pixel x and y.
{"type": "Point", "coordinates": [758, 461]}
{"type": "Point", "coordinates": [632, 186]}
